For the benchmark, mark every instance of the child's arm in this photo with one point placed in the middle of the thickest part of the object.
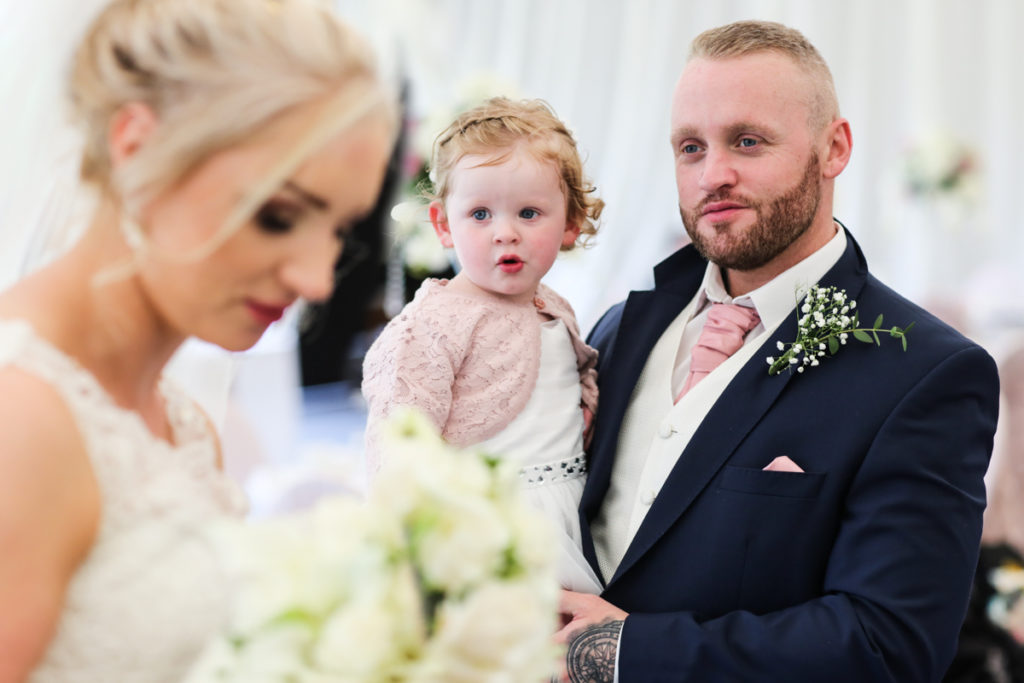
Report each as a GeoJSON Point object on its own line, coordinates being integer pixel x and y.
{"type": "Point", "coordinates": [409, 364]}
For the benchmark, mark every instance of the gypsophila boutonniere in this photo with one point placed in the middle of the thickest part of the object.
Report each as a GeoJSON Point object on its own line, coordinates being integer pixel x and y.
{"type": "Point", "coordinates": [827, 319]}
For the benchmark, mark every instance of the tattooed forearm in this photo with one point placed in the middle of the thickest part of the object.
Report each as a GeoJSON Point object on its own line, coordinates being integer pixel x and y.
{"type": "Point", "coordinates": [591, 655]}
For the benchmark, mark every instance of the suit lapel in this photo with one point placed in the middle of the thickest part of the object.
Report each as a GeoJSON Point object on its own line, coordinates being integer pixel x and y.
{"type": "Point", "coordinates": [725, 425]}
{"type": "Point", "coordinates": [645, 316]}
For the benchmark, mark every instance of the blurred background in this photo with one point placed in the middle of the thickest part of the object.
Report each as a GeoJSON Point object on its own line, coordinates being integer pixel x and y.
{"type": "Point", "coordinates": [934, 91]}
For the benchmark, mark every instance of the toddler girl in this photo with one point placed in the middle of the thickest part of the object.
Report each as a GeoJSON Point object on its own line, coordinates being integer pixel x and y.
{"type": "Point", "coordinates": [493, 356]}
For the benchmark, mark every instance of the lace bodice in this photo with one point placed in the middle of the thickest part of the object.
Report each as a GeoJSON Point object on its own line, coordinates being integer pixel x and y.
{"type": "Point", "coordinates": [150, 593]}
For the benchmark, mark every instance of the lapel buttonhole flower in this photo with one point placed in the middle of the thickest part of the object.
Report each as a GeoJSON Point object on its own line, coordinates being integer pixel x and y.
{"type": "Point", "coordinates": [827, 319]}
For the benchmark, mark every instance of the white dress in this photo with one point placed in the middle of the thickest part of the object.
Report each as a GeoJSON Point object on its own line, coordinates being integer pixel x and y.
{"type": "Point", "coordinates": [150, 593]}
{"type": "Point", "coordinates": [546, 440]}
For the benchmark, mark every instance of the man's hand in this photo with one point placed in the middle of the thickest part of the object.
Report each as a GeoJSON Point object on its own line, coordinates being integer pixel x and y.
{"type": "Point", "coordinates": [591, 634]}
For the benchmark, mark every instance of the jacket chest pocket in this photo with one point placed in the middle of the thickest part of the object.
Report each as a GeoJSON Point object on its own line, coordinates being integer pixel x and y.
{"type": "Point", "coordinates": [766, 483]}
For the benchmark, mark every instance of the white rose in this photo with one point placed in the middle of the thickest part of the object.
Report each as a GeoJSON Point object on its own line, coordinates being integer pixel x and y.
{"type": "Point", "coordinates": [268, 569]}
{"type": "Point", "coordinates": [462, 542]}
{"type": "Point", "coordinates": [358, 641]}
{"type": "Point", "coordinates": [501, 632]}
{"type": "Point", "coordinates": [273, 654]}
{"type": "Point", "coordinates": [376, 632]}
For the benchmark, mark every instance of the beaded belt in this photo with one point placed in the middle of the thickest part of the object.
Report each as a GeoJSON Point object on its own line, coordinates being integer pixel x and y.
{"type": "Point", "coordinates": [557, 470]}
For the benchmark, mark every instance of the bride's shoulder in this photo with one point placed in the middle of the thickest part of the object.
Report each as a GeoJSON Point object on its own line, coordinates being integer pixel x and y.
{"type": "Point", "coordinates": [34, 416]}
{"type": "Point", "coordinates": [49, 510]}
{"type": "Point", "coordinates": [44, 467]}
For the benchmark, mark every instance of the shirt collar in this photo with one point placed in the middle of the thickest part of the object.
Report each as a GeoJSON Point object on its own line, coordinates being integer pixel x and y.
{"type": "Point", "coordinates": [775, 299]}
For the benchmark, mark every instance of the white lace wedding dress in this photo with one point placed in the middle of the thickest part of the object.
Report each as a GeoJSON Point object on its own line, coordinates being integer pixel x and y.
{"type": "Point", "coordinates": [150, 593]}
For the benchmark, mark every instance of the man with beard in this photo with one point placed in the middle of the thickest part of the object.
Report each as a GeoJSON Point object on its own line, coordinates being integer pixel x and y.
{"type": "Point", "coordinates": [818, 524]}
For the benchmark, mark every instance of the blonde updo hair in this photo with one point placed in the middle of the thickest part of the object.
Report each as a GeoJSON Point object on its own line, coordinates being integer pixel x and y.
{"type": "Point", "coordinates": [495, 128]}
{"type": "Point", "coordinates": [214, 72]}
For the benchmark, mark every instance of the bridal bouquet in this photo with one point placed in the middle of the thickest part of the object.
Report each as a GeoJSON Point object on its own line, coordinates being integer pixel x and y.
{"type": "Point", "coordinates": [443, 574]}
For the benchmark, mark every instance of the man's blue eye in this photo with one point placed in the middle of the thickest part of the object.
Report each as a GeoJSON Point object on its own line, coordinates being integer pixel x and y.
{"type": "Point", "coordinates": [528, 213]}
{"type": "Point", "coordinates": [480, 214]}
{"type": "Point", "coordinates": [690, 149]}
{"type": "Point", "coordinates": [748, 142]}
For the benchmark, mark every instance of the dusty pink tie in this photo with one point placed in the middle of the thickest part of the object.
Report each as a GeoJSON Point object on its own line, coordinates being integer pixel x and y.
{"type": "Point", "coordinates": [722, 336]}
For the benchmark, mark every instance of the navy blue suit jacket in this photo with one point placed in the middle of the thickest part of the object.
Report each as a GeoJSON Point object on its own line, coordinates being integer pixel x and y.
{"type": "Point", "coordinates": [858, 569]}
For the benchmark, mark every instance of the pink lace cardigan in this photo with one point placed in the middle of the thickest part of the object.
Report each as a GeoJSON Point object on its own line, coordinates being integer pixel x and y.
{"type": "Point", "coordinates": [470, 363]}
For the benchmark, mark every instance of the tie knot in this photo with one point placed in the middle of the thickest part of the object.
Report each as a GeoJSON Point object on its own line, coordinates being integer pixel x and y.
{"type": "Point", "coordinates": [732, 318]}
{"type": "Point", "coordinates": [723, 334]}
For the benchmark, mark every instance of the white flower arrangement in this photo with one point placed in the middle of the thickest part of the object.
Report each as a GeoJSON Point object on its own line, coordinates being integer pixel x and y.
{"type": "Point", "coordinates": [939, 168]}
{"type": "Point", "coordinates": [421, 252]}
{"type": "Point", "coordinates": [443, 574]}
{"type": "Point", "coordinates": [828, 318]}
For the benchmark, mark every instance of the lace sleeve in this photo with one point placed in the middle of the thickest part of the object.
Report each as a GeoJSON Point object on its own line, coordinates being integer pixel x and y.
{"type": "Point", "coordinates": [412, 363]}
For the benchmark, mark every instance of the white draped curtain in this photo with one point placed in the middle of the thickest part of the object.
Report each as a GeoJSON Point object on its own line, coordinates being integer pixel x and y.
{"type": "Point", "coordinates": [906, 71]}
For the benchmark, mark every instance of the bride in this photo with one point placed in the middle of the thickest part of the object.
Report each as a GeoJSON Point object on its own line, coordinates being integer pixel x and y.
{"type": "Point", "coordinates": [230, 143]}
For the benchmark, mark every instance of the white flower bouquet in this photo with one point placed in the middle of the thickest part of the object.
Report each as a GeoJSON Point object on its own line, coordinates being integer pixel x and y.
{"type": "Point", "coordinates": [443, 574]}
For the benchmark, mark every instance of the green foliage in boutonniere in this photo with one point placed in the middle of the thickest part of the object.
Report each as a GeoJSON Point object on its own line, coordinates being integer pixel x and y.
{"type": "Point", "coordinates": [828, 318]}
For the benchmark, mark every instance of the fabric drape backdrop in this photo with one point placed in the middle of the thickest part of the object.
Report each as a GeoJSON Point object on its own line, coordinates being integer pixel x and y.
{"type": "Point", "coordinates": [903, 69]}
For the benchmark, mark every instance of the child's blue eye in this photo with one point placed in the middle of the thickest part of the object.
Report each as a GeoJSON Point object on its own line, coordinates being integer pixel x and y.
{"type": "Point", "coordinates": [480, 214]}
{"type": "Point", "coordinates": [528, 213]}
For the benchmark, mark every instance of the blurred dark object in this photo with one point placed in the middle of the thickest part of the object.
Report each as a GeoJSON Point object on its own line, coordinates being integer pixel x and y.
{"type": "Point", "coordinates": [987, 653]}
{"type": "Point", "coordinates": [326, 338]}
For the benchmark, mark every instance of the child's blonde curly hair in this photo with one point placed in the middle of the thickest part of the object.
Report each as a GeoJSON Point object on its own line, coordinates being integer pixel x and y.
{"type": "Point", "coordinates": [499, 125]}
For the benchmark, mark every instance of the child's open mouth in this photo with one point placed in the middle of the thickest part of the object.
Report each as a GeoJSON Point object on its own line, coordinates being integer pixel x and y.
{"type": "Point", "coordinates": [510, 264]}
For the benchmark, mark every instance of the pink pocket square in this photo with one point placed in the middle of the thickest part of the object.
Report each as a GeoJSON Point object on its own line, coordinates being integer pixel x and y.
{"type": "Point", "coordinates": [782, 464]}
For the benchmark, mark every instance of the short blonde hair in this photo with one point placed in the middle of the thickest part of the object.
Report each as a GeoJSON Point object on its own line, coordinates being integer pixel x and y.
{"type": "Point", "coordinates": [499, 125]}
{"type": "Point", "coordinates": [214, 72]}
{"type": "Point", "coordinates": [747, 37]}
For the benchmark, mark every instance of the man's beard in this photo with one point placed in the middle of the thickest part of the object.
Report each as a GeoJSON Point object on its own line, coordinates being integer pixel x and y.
{"type": "Point", "coordinates": [779, 223]}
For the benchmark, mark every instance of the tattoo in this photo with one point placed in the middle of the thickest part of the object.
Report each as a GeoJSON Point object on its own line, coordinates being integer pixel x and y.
{"type": "Point", "coordinates": [591, 655]}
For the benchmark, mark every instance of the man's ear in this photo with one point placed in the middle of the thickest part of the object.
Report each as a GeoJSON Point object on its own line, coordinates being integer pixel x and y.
{"type": "Point", "coordinates": [572, 232]}
{"type": "Point", "coordinates": [439, 220]}
{"type": "Point", "coordinates": [130, 126]}
{"type": "Point", "coordinates": [839, 146]}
